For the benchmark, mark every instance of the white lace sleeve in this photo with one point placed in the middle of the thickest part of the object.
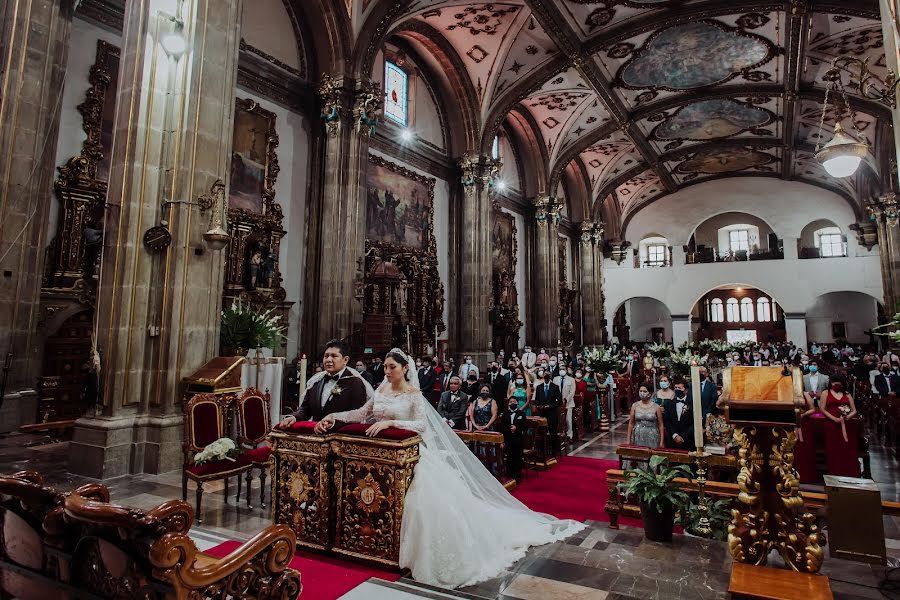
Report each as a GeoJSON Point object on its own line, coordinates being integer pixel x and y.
{"type": "Point", "coordinates": [417, 420]}
{"type": "Point", "coordinates": [363, 414]}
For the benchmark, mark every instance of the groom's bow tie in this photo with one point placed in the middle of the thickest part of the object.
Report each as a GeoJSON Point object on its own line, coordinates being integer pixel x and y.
{"type": "Point", "coordinates": [332, 377]}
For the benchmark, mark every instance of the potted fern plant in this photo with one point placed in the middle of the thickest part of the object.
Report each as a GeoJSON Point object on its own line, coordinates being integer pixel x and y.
{"type": "Point", "coordinates": [243, 328]}
{"type": "Point", "coordinates": [659, 496]}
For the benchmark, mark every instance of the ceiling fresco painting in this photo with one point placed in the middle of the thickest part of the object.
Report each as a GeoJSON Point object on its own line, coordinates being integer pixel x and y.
{"type": "Point", "coordinates": [712, 119]}
{"type": "Point", "coordinates": [644, 97]}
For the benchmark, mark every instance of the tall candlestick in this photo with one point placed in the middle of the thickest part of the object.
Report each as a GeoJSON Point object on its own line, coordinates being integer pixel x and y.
{"type": "Point", "coordinates": [697, 406]}
{"type": "Point", "coordinates": [302, 379]}
{"type": "Point", "coordinates": [408, 342]}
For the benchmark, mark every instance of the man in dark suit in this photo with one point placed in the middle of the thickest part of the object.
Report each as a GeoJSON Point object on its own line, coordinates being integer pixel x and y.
{"type": "Point", "coordinates": [453, 405]}
{"type": "Point", "coordinates": [361, 369]}
{"type": "Point", "coordinates": [445, 376]}
{"type": "Point", "coordinates": [709, 394]}
{"type": "Point", "coordinates": [427, 378]}
{"type": "Point", "coordinates": [513, 424]}
{"type": "Point", "coordinates": [887, 383]}
{"type": "Point", "coordinates": [377, 371]}
{"type": "Point", "coordinates": [499, 384]}
{"type": "Point", "coordinates": [678, 420]}
{"type": "Point", "coordinates": [547, 400]}
{"type": "Point", "coordinates": [336, 391]}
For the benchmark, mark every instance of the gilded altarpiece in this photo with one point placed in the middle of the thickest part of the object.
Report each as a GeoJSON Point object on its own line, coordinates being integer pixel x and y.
{"type": "Point", "coordinates": [504, 296]}
{"type": "Point", "coordinates": [566, 298]}
{"type": "Point", "coordinates": [252, 270]}
{"type": "Point", "coordinates": [71, 268]}
{"type": "Point", "coordinates": [403, 296]}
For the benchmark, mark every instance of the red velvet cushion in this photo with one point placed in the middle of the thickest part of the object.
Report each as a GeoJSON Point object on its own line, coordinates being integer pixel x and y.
{"type": "Point", "coordinates": [258, 455]}
{"type": "Point", "coordinates": [303, 427]}
{"type": "Point", "coordinates": [219, 466]}
{"type": "Point", "coordinates": [391, 433]}
{"type": "Point", "coordinates": [205, 419]}
{"type": "Point", "coordinates": [255, 418]}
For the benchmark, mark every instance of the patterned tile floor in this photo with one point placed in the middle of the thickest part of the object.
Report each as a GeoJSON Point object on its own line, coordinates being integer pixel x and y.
{"type": "Point", "coordinates": [597, 563]}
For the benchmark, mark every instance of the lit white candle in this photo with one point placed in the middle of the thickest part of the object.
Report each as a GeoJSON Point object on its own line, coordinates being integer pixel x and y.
{"type": "Point", "coordinates": [302, 378]}
{"type": "Point", "coordinates": [697, 406]}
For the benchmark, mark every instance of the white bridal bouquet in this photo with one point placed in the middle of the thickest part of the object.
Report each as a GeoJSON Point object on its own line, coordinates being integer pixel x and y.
{"type": "Point", "coordinates": [221, 449]}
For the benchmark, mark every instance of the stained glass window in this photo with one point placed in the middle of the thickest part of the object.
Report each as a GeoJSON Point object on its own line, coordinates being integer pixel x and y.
{"type": "Point", "coordinates": [495, 148]}
{"type": "Point", "coordinates": [396, 85]}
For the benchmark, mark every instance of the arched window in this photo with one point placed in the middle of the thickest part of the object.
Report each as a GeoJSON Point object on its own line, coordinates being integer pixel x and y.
{"type": "Point", "coordinates": [717, 310]}
{"type": "Point", "coordinates": [830, 241]}
{"type": "Point", "coordinates": [732, 311]}
{"type": "Point", "coordinates": [747, 310]}
{"type": "Point", "coordinates": [495, 148]}
{"type": "Point", "coordinates": [763, 310]}
{"type": "Point", "coordinates": [396, 102]}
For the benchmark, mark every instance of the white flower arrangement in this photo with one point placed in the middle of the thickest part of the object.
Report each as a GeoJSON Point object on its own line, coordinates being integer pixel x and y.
{"type": "Point", "coordinates": [659, 350]}
{"type": "Point", "coordinates": [221, 449]}
{"type": "Point", "coordinates": [683, 361]}
{"type": "Point", "coordinates": [602, 359]}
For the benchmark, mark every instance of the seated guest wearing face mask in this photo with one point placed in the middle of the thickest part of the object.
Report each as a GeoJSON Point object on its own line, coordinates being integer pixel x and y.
{"type": "Point", "coordinates": [483, 411]}
{"type": "Point", "coordinates": [665, 391]}
{"type": "Point", "coordinates": [513, 424]}
{"type": "Point", "coordinates": [361, 369]}
{"type": "Point", "coordinates": [678, 419]}
{"type": "Point", "coordinates": [887, 382]}
{"type": "Point", "coordinates": [470, 385]}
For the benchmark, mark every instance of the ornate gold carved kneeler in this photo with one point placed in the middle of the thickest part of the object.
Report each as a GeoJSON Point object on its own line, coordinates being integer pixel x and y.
{"type": "Point", "coordinates": [762, 406]}
{"type": "Point", "coordinates": [343, 493]}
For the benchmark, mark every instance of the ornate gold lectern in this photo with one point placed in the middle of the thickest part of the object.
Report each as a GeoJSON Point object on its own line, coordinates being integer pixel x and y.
{"type": "Point", "coordinates": [343, 492]}
{"type": "Point", "coordinates": [763, 405]}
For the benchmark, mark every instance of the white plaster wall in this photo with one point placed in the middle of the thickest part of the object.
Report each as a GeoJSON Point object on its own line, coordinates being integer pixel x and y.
{"type": "Point", "coordinates": [441, 227]}
{"type": "Point", "coordinates": [82, 54]}
{"type": "Point", "coordinates": [265, 25]}
{"type": "Point", "coordinates": [426, 122]}
{"type": "Point", "coordinates": [858, 311]}
{"type": "Point", "coordinates": [709, 235]}
{"type": "Point", "coordinates": [291, 192]}
{"type": "Point", "coordinates": [509, 171]}
{"type": "Point", "coordinates": [643, 314]}
{"type": "Point", "coordinates": [788, 206]}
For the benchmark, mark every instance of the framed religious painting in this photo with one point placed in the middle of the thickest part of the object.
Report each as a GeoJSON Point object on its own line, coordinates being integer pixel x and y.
{"type": "Point", "coordinates": [254, 164]}
{"type": "Point", "coordinates": [503, 241]}
{"type": "Point", "coordinates": [399, 206]}
{"type": "Point", "coordinates": [563, 253]}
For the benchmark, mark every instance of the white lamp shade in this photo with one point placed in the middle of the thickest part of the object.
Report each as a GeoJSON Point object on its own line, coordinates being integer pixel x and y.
{"type": "Point", "coordinates": [843, 154]}
{"type": "Point", "coordinates": [842, 166]}
{"type": "Point", "coordinates": [174, 43]}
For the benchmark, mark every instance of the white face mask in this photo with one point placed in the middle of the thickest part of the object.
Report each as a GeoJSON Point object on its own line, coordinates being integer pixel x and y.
{"type": "Point", "coordinates": [544, 364]}
{"type": "Point", "coordinates": [520, 381]}
{"type": "Point", "coordinates": [468, 361]}
{"type": "Point", "coordinates": [552, 363]}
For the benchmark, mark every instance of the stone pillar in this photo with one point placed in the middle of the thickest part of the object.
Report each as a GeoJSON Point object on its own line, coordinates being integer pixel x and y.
{"type": "Point", "coordinates": [795, 328]}
{"type": "Point", "coordinates": [681, 329]}
{"type": "Point", "coordinates": [791, 248]}
{"type": "Point", "coordinates": [34, 42]}
{"type": "Point", "coordinates": [474, 273]}
{"type": "Point", "coordinates": [337, 224]}
{"type": "Point", "coordinates": [158, 311]}
{"type": "Point", "coordinates": [591, 261]}
{"type": "Point", "coordinates": [886, 215]}
{"type": "Point", "coordinates": [546, 276]}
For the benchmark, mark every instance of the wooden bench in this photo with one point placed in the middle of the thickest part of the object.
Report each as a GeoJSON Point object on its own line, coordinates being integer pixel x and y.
{"type": "Point", "coordinates": [490, 448]}
{"type": "Point", "coordinates": [616, 504]}
{"type": "Point", "coordinates": [750, 582]}
{"type": "Point", "coordinates": [77, 545]}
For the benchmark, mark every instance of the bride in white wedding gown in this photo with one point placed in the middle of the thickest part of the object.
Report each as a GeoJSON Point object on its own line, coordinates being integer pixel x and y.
{"type": "Point", "coordinates": [460, 525]}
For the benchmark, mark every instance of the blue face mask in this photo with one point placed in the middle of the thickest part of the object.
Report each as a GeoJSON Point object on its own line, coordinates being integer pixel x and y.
{"type": "Point", "coordinates": [664, 385]}
{"type": "Point", "coordinates": [813, 369]}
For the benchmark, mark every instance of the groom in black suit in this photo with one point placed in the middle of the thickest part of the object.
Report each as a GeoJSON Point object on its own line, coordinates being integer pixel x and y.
{"type": "Point", "coordinates": [337, 391]}
{"type": "Point", "coordinates": [678, 419]}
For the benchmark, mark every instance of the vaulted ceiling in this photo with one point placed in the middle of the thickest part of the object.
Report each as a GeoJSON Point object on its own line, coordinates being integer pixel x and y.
{"type": "Point", "coordinates": [640, 98]}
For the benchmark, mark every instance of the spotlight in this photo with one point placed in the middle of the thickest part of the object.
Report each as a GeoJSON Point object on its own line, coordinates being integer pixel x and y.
{"type": "Point", "coordinates": [501, 185]}
{"type": "Point", "coordinates": [406, 135]}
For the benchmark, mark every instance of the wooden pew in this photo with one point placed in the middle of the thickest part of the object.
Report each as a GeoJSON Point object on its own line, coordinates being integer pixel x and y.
{"type": "Point", "coordinates": [77, 545]}
{"type": "Point", "coordinates": [490, 448]}
{"type": "Point", "coordinates": [615, 504]}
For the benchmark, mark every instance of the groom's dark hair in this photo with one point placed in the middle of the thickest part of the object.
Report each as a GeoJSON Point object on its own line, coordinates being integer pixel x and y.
{"type": "Point", "coordinates": [339, 345]}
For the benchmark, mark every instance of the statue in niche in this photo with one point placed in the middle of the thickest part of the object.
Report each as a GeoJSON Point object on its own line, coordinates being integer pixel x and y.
{"type": "Point", "coordinates": [253, 267]}
{"type": "Point", "coordinates": [402, 293]}
{"type": "Point", "coordinates": [508, 295]}
{"type": "Point", "coordinates": [267, 268]}
{"type": "Point", "coordinates": [93, 243]}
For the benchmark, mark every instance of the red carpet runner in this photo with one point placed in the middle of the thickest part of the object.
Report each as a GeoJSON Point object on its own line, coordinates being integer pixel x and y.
{"type": "Point", "coordinates": [574, 489]}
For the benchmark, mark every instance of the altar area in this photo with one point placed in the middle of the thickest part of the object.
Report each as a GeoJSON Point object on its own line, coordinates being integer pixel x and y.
{"type": "Point", "coordinates": [597, 563]}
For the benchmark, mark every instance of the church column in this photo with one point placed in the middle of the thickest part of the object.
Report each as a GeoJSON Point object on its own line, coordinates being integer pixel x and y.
{"type": "Point", "coordinates": [34, 42]}
{"type": "Point", "coordinates": [886, 214]}
{"type": "Point", "coordinates": [337, 223]}
{"type": "Point", "coordinates": [545, 284]}
{"type": "Point", "coordinates": [795, 328]}
{"type": "Point", "coordinates": [591, 282]}
{"type": "Point", "coordinates": [159, 304]}
{"type": "Point", "coordinates": [475, 269]}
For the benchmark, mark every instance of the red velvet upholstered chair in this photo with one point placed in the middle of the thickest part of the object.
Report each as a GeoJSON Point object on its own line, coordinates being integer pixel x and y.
{"type": "Point", "coordinates": [254, 426]}
{"type": "Point", "coordinates": [205, 422]}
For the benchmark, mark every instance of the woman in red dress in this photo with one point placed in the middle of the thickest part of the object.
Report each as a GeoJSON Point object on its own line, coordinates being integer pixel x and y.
{"type": "Point", "coordinates": [841, 442]}
{"type": "Point", "coordinates": [805, 450]}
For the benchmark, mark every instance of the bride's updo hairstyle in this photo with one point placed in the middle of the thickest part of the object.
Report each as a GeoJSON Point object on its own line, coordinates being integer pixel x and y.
{"type": "Point", "coordinates": [401, 360]}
